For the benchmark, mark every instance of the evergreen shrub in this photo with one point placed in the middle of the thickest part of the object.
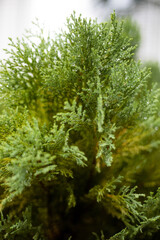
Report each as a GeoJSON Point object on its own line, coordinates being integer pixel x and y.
{"type": "Point", "coordinates": [78, 125]}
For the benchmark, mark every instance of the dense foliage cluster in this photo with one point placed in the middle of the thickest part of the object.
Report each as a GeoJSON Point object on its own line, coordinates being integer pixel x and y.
{"type": "Point", "coordinates": [78, 129]}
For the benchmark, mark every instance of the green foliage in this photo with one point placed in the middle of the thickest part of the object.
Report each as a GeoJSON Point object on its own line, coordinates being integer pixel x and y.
{"type": "Point", "coordinates": [132, 30]}
{"type": "Point", "coordinates": [78, 127]}
{"type": "Point", "coordinates": [155, 76]}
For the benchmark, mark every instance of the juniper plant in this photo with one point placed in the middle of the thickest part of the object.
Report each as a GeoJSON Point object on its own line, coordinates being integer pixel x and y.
{"type": "Point", "coordinates": [77, 126]}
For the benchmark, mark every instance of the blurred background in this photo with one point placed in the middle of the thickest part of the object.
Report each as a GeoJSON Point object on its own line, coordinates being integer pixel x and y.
{"type": "Point", "coordinates": [17, 15]}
